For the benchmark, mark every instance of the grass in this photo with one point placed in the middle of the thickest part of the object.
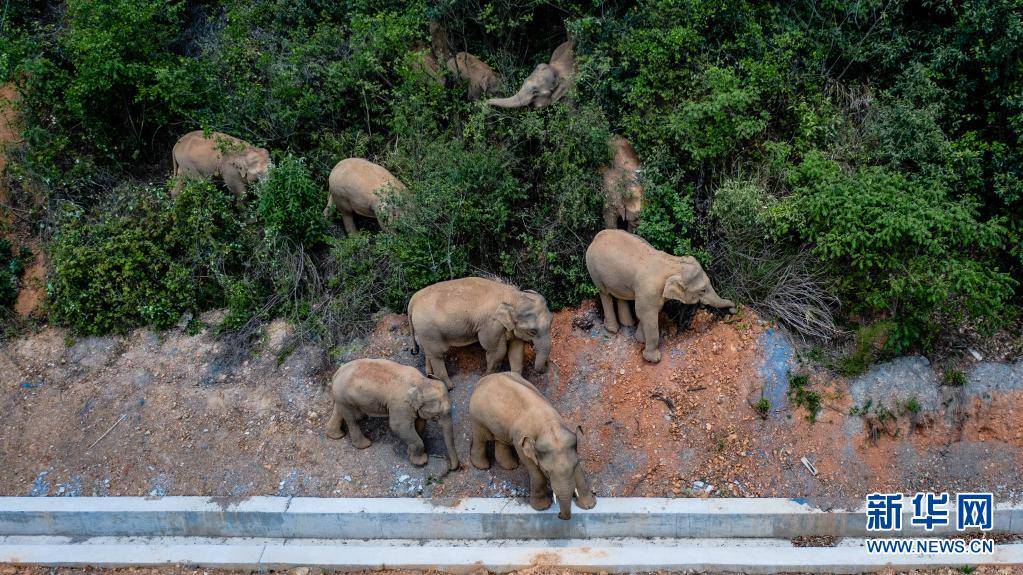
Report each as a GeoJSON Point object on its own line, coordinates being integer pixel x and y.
{"type": "Point", "coordinates": [800, 394]}
{"type": "Point", "coordinates": [763, 407]}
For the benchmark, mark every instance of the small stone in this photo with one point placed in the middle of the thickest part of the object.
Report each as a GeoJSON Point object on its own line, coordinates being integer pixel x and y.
{"type": "Point", "coordinates": [976, 355]}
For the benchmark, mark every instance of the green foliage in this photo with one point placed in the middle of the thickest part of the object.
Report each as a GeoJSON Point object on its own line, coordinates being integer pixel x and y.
{"type": "Point", "coordinates": [905, 246]}
{"type": "Point", "coordinates": [954, 377]}
{"type": "Point", "coordinates": [801, 395]}
{"type": "Point", "coordinates": [870, 343]}
{"type": "Point", "coordinates": [145, 264]}
{"type": "Point", "coordinates": [290, 203]}
{"type": "Point", "coordinates": [763, 407]}
{"type": "Point", "coordinates": [12, 266]}
{"type": "Point", "coordinates": [847, 162]}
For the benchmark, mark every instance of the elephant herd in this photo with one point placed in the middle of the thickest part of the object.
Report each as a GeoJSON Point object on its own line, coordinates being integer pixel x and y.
{"type": "Point", "coordinates": [504, 409]}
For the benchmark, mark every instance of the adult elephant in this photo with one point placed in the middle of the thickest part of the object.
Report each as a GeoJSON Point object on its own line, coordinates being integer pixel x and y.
{"type": "Point", "coordinates": [239, 163]}
{"type": "Point", "coordinates": [546, 84]}
{"type": "Point", "coordinates": [499, 316]}
{"type": "Point", "coordinates": [508, 410]}
{"type": "Point", "coordinates": [625, 267]}
{"type": "Point", "coordinates": [357, 186]}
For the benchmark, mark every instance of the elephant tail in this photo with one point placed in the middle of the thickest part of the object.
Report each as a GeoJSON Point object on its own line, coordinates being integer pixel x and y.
{"type": "Point", "coordinates": [412, 328]}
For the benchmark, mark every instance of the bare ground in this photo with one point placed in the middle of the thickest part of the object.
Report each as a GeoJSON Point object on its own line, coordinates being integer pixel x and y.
{"type": "Point", "coordinates": [177, 414]}
{"type": "Point", "coordinates": [536, 570]}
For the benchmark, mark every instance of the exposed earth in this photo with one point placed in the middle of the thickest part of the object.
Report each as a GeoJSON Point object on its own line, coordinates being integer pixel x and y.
{"type": "Point", "coordinates": [175, 413]}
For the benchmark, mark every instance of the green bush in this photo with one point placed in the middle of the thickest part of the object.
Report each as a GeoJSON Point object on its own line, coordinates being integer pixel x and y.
{"type": "Point", "coordinates": [146, 263]}
{"type": "Point", "coordinates": [12, 266]}
{"type": "Point", "coordinates": [905, 247]}
{"type": "Point", "coordinates": [291, 204]}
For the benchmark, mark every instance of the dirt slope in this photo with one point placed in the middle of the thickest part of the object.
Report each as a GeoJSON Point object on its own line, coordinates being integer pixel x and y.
{"type": "Point", "coordinates": [173, 414]}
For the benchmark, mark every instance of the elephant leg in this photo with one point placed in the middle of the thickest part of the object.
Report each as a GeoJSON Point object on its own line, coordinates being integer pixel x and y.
{"type": "Point", "coordinates": [496, 355]}
{"type": "Point", "coordinates": [334, 429]}
{"type": "Point", "coordinates": [348, 219]}
{"type": "Point", "coordinates": [351, 417]}
{"type": "Point", "coordinates": [539, 497]}
{"type": "Point", "coordinates": [516, 349]}
{"type": "Point", "coordinates": [404, 426]}
{"type": "Point", "coordinates": [610, 321]}
{"type": "Point", "coordinates": [624, 313]}
{"type": "Point", "coordinates": [235, 183]}
{"type": "Point", "coordinates": [478, 449]}
{"type": "Point", "coordinates": [651, 336]}
{"type": "Point", "coordinates": [440, 371]}
{"type": "Point", "coordinates": [505, 456]}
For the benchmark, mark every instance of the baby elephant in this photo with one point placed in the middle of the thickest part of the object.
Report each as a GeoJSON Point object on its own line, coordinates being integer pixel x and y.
{"type": "Point", "coordinates": [356, 186]}
{"type": "Point", "coordinates": [236, 161]}
{"type": "Point", "coordinates": [463, 311]}
{"type": "Point", "coordinates": [625, 267]}
{"type": "Point", "coordinates": [508, 410]}
{"type": "Point", "coordinates": [382, 388]}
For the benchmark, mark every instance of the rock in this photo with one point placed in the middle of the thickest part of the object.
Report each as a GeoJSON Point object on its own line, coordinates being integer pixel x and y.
{"type": "Point", "coordinates": [976, 355]}
{"type": "Point", "coordinates": [585, 320]}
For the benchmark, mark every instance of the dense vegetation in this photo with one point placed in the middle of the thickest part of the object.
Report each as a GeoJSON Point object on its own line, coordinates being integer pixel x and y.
{"type": "Point", "coordinates": [829, 162]}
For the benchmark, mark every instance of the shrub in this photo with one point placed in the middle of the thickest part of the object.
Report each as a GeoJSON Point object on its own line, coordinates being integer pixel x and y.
{"type": "Point", "coordinates": [290, 203]}
{"type": "Point", "coordinates": [801, 395]}
{"type": "Point", "coordinates": [12, 266]}
{"type": "Point", "coordinates": [903, 246]}
{"type": "Point", "coordinates": [147, 263]}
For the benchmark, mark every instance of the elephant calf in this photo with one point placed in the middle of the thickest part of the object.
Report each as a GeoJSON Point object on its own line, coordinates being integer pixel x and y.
{"type": "Point", "coordinates": [499, 316]}
{"type": "Point", "coordinates": [625, 267]}
{"type": "Point", "coordinates": [623, 195]}
{"type": "Point", "coordinates": [239, 163]}
{"type": "Point", "coordinates": [382, 388]}
{"type": "Point", "coordinates": [355, 186]}
{"type": "Point", "coordinates": [508, 410]}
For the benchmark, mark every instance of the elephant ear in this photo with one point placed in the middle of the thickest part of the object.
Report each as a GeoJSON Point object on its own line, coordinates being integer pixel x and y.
{"type": "Point", "coordinates": [503, 315]}
{"type": "Point", "coordinates": [529, 449]}
{"type": "Point", "coordinates": [674, 287]}
{"type": "Point", "coordinates": [415, 398]}
{"type": "Point", "coordinates": [563, 63]}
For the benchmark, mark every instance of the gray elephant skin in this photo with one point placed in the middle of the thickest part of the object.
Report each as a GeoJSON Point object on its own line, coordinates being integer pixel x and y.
{"type": "Point", "coordinates": [547, 84]}
{"type": "Point", "coordinates": [625, 267]}
{"type": "Point", "coordinates": [358, 186]}
{"type": "Point", "coordinates": [464, 311]}
{"type": "Point", "coordinates": [524, 426]}
{"type": "Point", "coordinates": [623, 194]}
{"type": "Point", "coordinates": [238, 163]}
{"type": "Point", "coordinates": [383, 388]}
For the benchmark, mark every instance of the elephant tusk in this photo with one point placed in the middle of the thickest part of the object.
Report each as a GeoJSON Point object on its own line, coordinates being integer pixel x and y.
{"type": "Point", "coordinates": [576, 492]}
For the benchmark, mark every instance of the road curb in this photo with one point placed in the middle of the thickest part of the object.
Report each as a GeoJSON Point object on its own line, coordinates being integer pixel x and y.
{"type": "Point", "coordinates": [468, 518]}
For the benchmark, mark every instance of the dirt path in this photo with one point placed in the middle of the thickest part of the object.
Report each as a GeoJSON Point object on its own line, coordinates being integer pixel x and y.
{"type": "Point", "coordinates": [184, 419]}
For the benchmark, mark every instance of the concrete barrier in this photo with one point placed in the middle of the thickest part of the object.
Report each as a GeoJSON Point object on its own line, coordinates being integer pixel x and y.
{"type": "Point", "coordinates": [469, 518]}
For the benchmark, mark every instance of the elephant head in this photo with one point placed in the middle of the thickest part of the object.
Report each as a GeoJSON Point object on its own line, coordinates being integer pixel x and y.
{"type": "Point", "coordinates": [553, 450]}
{"type": "Point", "coordinates": [430, 400]}
{"type": "Point", "coordinates": [691, 286]}
{"type": "Point", "coordinates": [252, 164]}
{"type": "Point", "coordinates": [529, 319]}
{"type": "Point", "coordinates": [546, 84]}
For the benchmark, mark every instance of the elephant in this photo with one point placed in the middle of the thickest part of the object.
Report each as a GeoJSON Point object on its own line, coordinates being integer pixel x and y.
{"type": "Point", "coordinates": [383, 388]}
{"type": "Point", "coordinates": [546, 84]}
{"type": "Point", "coordinates": [425, 63]}
{"type": "Point", "coordinates": [625, 267]}
{"type": "Point", "coordinates": [482, 79]}
{"type": "Point", "coordinates": [497, 315]}
{"type": "Point", "coordinates": [196, 155]}
{"type": "Point", "coordinates": [508, 410]}
{"type": "Point", "coordinates": [355, 186]}
{"type": "Point", "coordinates": [623, 194]}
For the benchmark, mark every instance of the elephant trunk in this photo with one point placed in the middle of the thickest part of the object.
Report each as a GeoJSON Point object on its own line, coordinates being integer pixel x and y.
{"type": "Point", "coordinates": [542, 349]}
{"type": "Point", "coordinates": [714, 300]}
{"type": "Point", "coordinates": [519, 100]}
{"type": "Point", "coordinates": [564, 489]}
{"type": "Point", "coordinates": [449, 442]}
